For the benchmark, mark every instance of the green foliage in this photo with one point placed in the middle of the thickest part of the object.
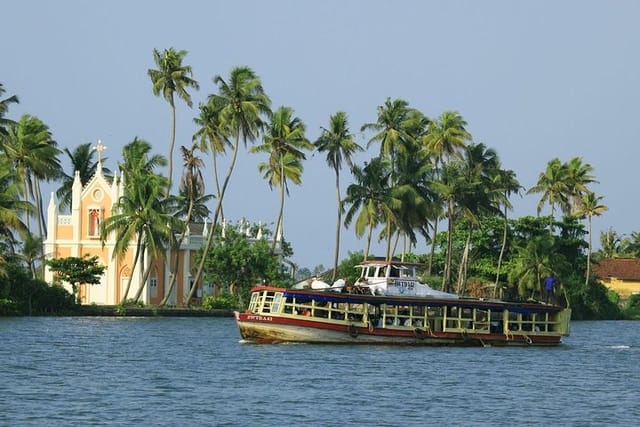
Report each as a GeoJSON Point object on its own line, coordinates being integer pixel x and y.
{"type": "Point", "coordinates": [20, 294]}
{"type": "Point", "coordinates": [346, 268]}
{"type": "Point", "coordinates": [223, 301]}
{"type": "Point", "coordinates": [238, 263]}
{"type": "Point", "coordinates": [76, 270]}
{"type": "Point", "coordinates": [632, 308]}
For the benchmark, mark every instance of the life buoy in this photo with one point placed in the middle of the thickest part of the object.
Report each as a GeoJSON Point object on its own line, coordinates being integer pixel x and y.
{"type": "Point", "coordinates": [353, 332]}
{"type": "Point", "coordinates": [419, 333]}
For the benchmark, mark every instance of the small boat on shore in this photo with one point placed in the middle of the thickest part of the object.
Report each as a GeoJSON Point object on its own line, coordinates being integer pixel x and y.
{"type": "Point", "coordinates": [389, 305]}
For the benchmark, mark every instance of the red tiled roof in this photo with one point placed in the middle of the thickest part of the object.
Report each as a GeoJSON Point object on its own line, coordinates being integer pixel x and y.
{"type": "Point", "coordinates": [619, 268]}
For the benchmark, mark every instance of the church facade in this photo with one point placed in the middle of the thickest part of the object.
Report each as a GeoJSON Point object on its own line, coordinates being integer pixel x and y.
{"type": "Point", "coordinates": [78, 234]}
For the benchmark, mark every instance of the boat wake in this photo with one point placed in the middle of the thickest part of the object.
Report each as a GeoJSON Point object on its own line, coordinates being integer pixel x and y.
{"type": "Point", "coordinates": [619, 347]}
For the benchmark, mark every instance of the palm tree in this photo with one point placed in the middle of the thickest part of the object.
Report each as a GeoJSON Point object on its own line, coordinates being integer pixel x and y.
{"type": "Point", "coordinates": [285, 141]}
{"type": "Point", "coordinates": [578, 176]}
{"type": "Point", "coordinates": [211, 135]}
{"type": "Point", "coordinates": [34, 155]}
{"type": "Point", "coordinates": [11, 205]}
{"type": "Point", "coordinates": [191, 186]}
{"type": "Point", "coordinates": [554, 185]}
{"type": "Point", "coordinates": [171, 78]}
{"type": "Point", "coordinates": [391, 129]}
{"type": "Point", "coordinates": [82, 161]}
{"type": "Point", "coordinates": [139, 214]}
{"type": "Point", "coordinates": [532, 262]}
{"type": "Point", "coordinates": [369, 198]}
{"type": "Point", "coordinates": [445, 137]}
{"type": "Point", "coordinates": [610, 243]}
{"type": "Point", "coordinates": [590, 206]}
{"type": "Point", "coordinates": [506, 184]}
{"type": "Point", "coordinates": [4, 108]}
{"type": "Point", "coordinates": [241, 103]}
{"type": "Point", "coordinates": [338, 142]}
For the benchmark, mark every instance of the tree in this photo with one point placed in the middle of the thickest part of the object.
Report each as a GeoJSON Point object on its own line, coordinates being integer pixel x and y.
{"type": "Point", "coordinates": [610, 243]}
{"type": "Point", "coordinates": [390, 129]}
{"type": "Point", "coordinates": [589, 206]}
{"type": "Point", "coordinates": [338, 142]}
{"type": "Point", "coordinates": [505, 183]}
{"type": "Point", "coordinates": [77, 271]}
{"type": "Point", "coordinates": [4, 108]}
{"type": "Point", "coordinates": [11, 205]}
{"type": "Point", "coordinates": [241, 103]}
{"type": "Point", "coordinates": [171, 78]}
{"type": "Point", "coordinates": [33, 153]}
{"type": "Point", "coordinates": [141, 212]}
{"type": "Point", "coordinates": [238, 263]}
{"type": "Point", "coordinates": [368, 198]}
{"type": "Point", "coordinates": [554, 185]}
{"type": "Point", "coordinates": [83, 162]}
{"type": "Point", "coordinates": [285, 141]}
{"type": "Point", "coordinates": [211, 135]}
{"type": "Point", "coordinates": [533, 262]}
{"type": "Point", "coordinates": [191, 186]}
{"type": "Point", "coordinates": [578, 176]}
{"type": "Point", "coordinates": [445, 137]}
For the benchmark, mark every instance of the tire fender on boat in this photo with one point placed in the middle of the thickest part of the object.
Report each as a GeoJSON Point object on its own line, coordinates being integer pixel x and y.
{"type": "Point", "coordinates": [419, 333]}
{"type": "Point", "coordinates": [353, 332]}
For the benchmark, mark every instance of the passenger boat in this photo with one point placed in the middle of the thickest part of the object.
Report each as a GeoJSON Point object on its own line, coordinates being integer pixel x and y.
{"type": "Point", "coordinates": [389, 305]}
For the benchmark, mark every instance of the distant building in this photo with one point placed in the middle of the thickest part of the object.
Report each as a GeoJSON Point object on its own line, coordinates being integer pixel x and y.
{"type": "Point", "coordinates": [78, 234]}
{"type": "Point", "coordinates": [621, 275]}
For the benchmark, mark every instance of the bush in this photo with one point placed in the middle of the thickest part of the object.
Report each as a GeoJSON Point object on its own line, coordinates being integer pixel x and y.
{"type": "Point", "coordinates": [632, 309]}
{"type": "Point", "coordinates": [224, 301]}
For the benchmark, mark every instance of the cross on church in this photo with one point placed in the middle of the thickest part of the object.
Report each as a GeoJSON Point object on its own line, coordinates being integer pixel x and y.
{"type": "Point", "coordinates": [99, 148]}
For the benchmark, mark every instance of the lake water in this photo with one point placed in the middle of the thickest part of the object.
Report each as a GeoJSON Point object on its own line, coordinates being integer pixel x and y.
{"type": "Point", "coordinates": [195, 372]}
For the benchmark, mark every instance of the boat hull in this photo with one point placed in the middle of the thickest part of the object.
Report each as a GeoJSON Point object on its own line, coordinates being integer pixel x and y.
{"type": "Point", "coordinates": [257, 328]}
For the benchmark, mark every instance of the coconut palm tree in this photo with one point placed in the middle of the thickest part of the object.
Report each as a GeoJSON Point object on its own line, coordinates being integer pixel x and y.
{"type": "Point", "coordinates": [11, 205]}
{"type": "Point", "coordinates": [191, 187]}
{"type": "Point", "coordinates": [139, 214]}
{"type": "Point", "coordinates": [506, 184]}
{"type": "Point", "coordinates": [172, 78]}
{"type": "Point", "coordinates": [83, 162]}
{"type": "Point", "coordinates": [578, 176]}
{"type": "Point", "coordinates": [532, 262]}
{"type": "Point", "coordinates": [589, 207]}
{"type": "Point", "coordinates": [369, 198]}
{"type": "Point", "coordinates": [390, 129]}
{"type": "Point", "coordinates": [285, 142]}
{"type": "Point", "coordinates": [212, 136]}
{"type": "Point", "coordinates": [4, 108]}
{"type": "Point", "coordinates": [34, 155]}
{"type": "Point", "coordinates": [445, 138]}
{"type": "Point", "coordinates": [242, 104]}
{"type": "Point", "coordinates": [338, 142]}
{"type": "Point", "coordinates": [554, 185]}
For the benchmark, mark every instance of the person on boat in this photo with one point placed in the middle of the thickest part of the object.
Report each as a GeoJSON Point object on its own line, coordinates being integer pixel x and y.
{"type": "Point", "coordinates": [549, 285]}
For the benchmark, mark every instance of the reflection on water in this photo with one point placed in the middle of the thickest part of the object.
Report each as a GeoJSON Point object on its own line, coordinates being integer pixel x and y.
{"type": "Point", "coordinates": [196, 371]}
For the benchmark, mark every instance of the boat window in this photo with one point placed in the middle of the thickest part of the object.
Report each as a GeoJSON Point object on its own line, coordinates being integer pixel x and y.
{"type": "Point", "coordinates": [275, 305]}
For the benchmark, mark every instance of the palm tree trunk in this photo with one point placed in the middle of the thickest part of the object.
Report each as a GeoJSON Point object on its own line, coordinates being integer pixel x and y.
{"type": "Point", "coordinates": [462, 271]}
{"type": "Point", "coordinates": [171, 144]}
{"type": "Point", "coordinates": [145, 277]}
{"type": "Point", "coordinates": [446, 279]}
{"type": "Point", "coordinates": [281, 211]}
{"type": "Point", "coordinates": [366, 249]}
{"type": "Point", "coordinates": [433, 245]}
{"type": "Point", "coordinates": [504, 244]}
{"type": "Point", "coordinates": [133, 268]}
{"type": "Point", "coordinates": [214, 157]}
{"type": "Point", "coordinates": [174, 271]}
{"type": "Point", "coordinates": [586, 282]}
{"type": "Point", "coordinates": [337, 249]}
{"type": "Point", "coordinates": [207, 247]}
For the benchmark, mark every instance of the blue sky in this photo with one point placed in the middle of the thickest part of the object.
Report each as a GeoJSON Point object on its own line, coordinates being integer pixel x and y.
{"type": "Point", "coordinates": [535, 80]}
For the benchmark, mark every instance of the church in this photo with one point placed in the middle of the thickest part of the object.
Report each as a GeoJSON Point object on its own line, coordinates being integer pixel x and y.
{"type": "Point", "coordinates": [78, 234]}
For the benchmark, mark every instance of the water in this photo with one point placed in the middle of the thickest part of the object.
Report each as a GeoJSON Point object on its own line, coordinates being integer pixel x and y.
{"type": "Point", "coordinates": [195, 371]}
